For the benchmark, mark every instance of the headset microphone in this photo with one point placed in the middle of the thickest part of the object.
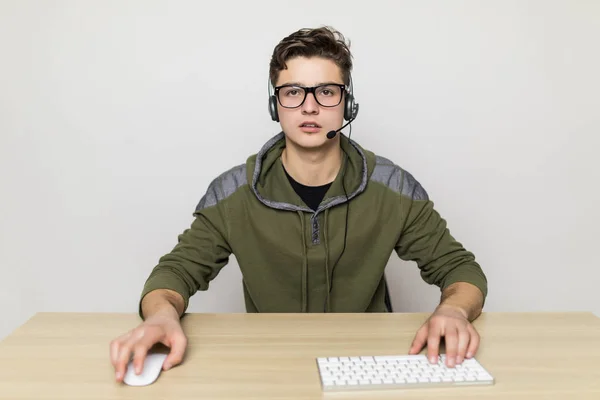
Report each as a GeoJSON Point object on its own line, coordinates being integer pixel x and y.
{"type": "Point", "coordinates": [331, 134]}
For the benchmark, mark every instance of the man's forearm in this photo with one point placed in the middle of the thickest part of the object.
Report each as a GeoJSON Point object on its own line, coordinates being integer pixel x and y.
{"type": "Point", "coordinates": [162, 301]}
{"type": "Point", "coordinates": [464, 296]}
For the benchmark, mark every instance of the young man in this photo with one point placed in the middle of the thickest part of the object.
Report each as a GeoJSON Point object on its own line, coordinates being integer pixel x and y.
{"type": "Point", "coordinates": [312, 219]}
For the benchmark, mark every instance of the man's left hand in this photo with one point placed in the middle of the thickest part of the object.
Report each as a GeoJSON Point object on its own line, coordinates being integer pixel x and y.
{"type": "Point", "coordinates": [451, 323]}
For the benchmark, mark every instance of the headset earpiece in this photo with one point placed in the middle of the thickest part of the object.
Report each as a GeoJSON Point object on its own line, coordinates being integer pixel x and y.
{"type": "Point", "coordinates": [273, 108]}
{"type": "Point", "coordinates": [349, 107]}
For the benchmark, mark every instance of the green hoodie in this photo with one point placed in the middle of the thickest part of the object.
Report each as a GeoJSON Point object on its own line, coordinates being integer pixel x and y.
{"type": "Point", "coordinates": [288, 253]}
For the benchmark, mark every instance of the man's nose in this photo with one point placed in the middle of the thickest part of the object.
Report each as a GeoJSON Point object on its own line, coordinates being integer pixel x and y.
{"type": "Point", "coordinates": [310, 105]}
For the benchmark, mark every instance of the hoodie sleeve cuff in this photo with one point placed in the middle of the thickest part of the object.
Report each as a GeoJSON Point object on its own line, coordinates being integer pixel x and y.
{"type": "Point", "coordinates": [468, 275]}
{"type": "Point", "coordinates": [164, 281]}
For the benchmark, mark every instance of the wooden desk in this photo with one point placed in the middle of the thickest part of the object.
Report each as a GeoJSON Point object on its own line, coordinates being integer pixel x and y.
{"type": "Point", "coordinates": [266, 356]}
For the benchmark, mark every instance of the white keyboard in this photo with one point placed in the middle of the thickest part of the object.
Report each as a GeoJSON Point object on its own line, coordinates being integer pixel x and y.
{"type": "Point", "coordinates": [397, 372]}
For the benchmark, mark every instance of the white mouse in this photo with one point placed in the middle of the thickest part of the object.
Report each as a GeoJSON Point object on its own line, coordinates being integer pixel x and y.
{"type": "Point", "coordinates": [153, 364]}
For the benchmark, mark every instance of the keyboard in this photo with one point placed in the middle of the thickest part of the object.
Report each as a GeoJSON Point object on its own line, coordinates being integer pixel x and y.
{"type": "Point", "coordinates": [397, 372]}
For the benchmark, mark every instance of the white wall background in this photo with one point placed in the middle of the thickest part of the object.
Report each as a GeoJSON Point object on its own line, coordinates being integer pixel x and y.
{"type": "Point", "coordinates": [116, 115]}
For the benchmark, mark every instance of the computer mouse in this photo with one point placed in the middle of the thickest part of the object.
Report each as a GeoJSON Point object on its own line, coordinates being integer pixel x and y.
{"type": "Point", "coordinates": [153, 364]}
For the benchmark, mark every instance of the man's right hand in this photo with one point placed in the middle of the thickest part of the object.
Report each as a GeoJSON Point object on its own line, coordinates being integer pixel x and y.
{"type": "Point", "coordinates": [162, 326]}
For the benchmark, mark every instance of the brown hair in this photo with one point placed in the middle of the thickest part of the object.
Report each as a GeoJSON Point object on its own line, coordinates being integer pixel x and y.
{"type": "Point", "coordinates": [324, 42]}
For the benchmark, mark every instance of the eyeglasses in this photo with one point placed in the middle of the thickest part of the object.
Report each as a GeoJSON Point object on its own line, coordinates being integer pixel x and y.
{"type": "Point", "coordinates": [292, 96]}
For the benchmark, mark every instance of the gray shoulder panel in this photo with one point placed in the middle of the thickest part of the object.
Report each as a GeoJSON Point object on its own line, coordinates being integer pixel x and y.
{"type": "Point", "coordinates": [223, 186]}
{"type": "Point", "coordinates": [397, 179]}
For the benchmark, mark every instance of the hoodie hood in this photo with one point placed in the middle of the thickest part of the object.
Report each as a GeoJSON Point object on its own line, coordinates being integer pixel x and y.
{"type": "Point", "coordinates": [271, 186]}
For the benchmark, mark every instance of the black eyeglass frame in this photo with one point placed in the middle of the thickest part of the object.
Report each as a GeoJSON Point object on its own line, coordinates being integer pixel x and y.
{"type": "Point", "coordinates": [311, 89]}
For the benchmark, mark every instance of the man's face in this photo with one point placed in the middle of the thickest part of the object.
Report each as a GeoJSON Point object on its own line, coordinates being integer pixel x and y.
{"type": "Point", "coordinates": [310, 72]}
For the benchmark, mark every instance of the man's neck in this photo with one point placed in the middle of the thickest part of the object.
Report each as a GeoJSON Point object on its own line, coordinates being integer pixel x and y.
{"type": "Point", "coordinates": [312, 167]}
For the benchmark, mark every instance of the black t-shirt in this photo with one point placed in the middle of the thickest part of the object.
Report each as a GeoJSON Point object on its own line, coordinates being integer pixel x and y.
{"type": "Point", "coordinates": [311, 195]}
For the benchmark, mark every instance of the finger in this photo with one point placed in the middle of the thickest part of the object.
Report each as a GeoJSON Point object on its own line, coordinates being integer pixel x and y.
{"type": "Point", "coordinates": [127, 347]}
{"type": "Point", "coordinates": [433, 343]}
{"type": "Point", "coordinates": [178, 345]}
{"type": "Point", "coordinates": [122, 360]}
{"type": "Point", "coordinates": [114, 351]}
{"type": "Point", "coordinates": [473, 342]}
{"type": "Point", "coordinates": [451, 339]}
{"type": "Point", "coordinates": [145, 340]}
{"type": "Point", "coordinates": [115, 345]}
{"type": "Point", "coordinates": [139, 354]}
{"type": "Point", "coordinates": [463, 342]}
{"type": "Point", "coordinates": [419, 340]}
